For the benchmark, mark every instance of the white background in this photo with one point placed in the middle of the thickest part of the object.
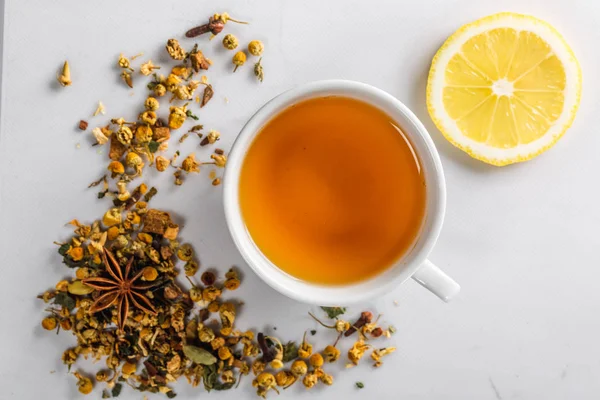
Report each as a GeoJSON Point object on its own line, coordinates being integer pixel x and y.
{"type": "Point", "coordinates": [522, 240]}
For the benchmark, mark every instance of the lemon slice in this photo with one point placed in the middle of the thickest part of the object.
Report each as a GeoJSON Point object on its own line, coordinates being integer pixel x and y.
{"type": "Point", "coordinates": [504, 88]}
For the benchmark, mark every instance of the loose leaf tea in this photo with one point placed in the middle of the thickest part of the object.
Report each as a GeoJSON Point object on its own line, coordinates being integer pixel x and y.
{"type": "Point", "coordinates": [334, 312]}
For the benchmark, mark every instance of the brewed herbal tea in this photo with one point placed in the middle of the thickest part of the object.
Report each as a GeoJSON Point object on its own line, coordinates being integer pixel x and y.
{"type": "Point", "coordinates": [331, 191]}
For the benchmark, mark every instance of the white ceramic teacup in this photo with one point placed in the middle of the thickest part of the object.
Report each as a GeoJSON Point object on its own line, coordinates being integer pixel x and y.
{"type": "Point", "coordinates": [412, 264]}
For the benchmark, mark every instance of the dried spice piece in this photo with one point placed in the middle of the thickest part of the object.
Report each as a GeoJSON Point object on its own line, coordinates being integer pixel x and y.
{"type": "Point", "coordinates": [256, 47]}
{"type": "Point", "coordinates": [211, 138]}
{"type": "Point", "coordinates": [126, 76]}
{"type": "Point", "coordinates": [259, 71]}
{"type": "Point", "coordinates": [216, 182]}
{"type": "Point", "coordinates": [83, 125]}
{"type": "Point", "coordinates": [100, 109]}
{"type": "Point", "coordinates": [365, 318]}
{"type": "Point", "coordinates": [230, 42]}
{"type": "Point", "coordinates": [120, 290]}
{"type": "Point", "coordinates": [65, 76]}
{"type": "Point", "coordinates": [238, 60]}
{"type": "Point", "coordinates": [207, 95]}
{"type": "Point", "coordinates": [215, 25]}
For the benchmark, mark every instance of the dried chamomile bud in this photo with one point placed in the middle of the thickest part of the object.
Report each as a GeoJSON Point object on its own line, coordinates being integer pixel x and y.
{"type": "Point", "coordinates": [159, 90]}
{"type": "Point", "coordinates": [190, 268]}
{"type": "Point", "coordinates": [116, 168]}
{"type": "Point", "coordinates": [162, 163]}
{"type": "Point", "coordinates": [305, 349]}
{"type": "Point", "coordinates": [256, 47]}
{"type": "Point", "coordinates": [310, 380]}
{"type": "Point", "coordinates": [124, 135]}
{"type": "Point", "coordinates": [147, 68]}
{"type": "Point", "coordinates": [49, 323]}
{"type": "Point", "coordinates": [285, 379]}
{"type": "Point", "coordinates": [84, 384]}
{"type": "Point", "coordinates": [299, 368]}
{"type": "Point", "coordinates": [133, 160]}
{"type": "Point", "coordinates": [143, 134]}
{"type": "Point", "coordinates": [149, 274]}
{"type": "Point", "coordinates": [230, 42]}
{"type": "Point", "coordinates": [112, 217]}
{"type": "Point", "coordinates": [151, 104]}
{"type": "Point", "coordinates": [177, 116]}
{"type": "Point", "coordinates": [316, 360]}
{"type": "Point", "coordinates": [175, 50]}
{"type": "Point", "coordinates": [357, 351]}
{"type": "Point", "coordinates": [258, 366]}
{"type": "Point", "coordinates": [259, 71]}
{"type": "Point", "coordinates": [238, 60]}
{"type": "Point", "coordinates": [331, 353]}
{"type": "Point", "coordinates": [190, 164]}
{"type": "Point", "coordinates": [126, 76]}
{"type": "Point", "coordinates": [148, 117]}
{"type": "Point", "coordinates": [123, 62]}
{"type": "Point", "coordinates": [219, 159]}
{"type": "Point", "coordinates": [102, 375]}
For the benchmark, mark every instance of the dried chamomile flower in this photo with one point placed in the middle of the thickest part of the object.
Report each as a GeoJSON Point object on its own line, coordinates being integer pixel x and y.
{"type": "Point", "coordinates": [128, 369]}
{"type": "Point", "coordinates": [341, 325]}
{"type": "Point", "coordinates": [65, 76]}
{"type": "Point", "coordinates": [331, 353]}
{"type": "Point", "coordinates": [208, 278]}
{"type": "Point", "coordinates": [148, 117]}
{"type": "Point", "coordinates": [112, 217]}
{"type": "Point", "coordinates": [149, 274]}
{"type": "Point", "coordinates": [49, 323]}
{"type": "Point", "coordinates": [310, 380]}
{"type": "Point", "coordinates": [259, 71]}
{"type": "Point", "coordinates": [99, 135]}
{"type": "Point", "coordinates": [220, 160]}
{"type": "Point", "coordinates": [177, 116]}
{"type": "Point", "coordinates": [124, 62]}
{"type": "Point", "coordinates": [316, 360]}
{"type": "Point", "coordinates": [210, 293]}
{"type": "Point", "coordinates": [190, 164]}
{"type": "Point", "coordinates": [230, 42]}
{"type": "Point", "coordinates": [379, 353]}
{"type": "Point", "coordinates": [124, 135]}
{"type": "Point", "coordinates": [147, 68]}
{"type": "Point", "coordinates": [172, 82]}
{"type": "Point", "coordinates": [299, 368]}
{"type": "Point", "coordinates": [227, 314]}
{"type": "Point", "coordinates": [151, 104]}
{"type": "Point", "coordinates": [84, 384]}
{"type": "Point", "coordinates": [258, 366]}
{"type": "Point", "coordinates": [162, 163]}
{"type": "Point", "coordinates": [190, 268]}
{"type": "Point", "coordinates": [182, 93]}
{"type": "Point", "coordinates": [102, 375]}
{"type": "Point", "coordinates": [116, 168]}
{"type": "Point", "coordinates": [356, 352]}
{"type": "Point", "coordinates": [285, 379]}
{"type": "Point", "coordinates": [175, 50]}
{"type": "Point", "coordinates": [143, 133]}
{"type": "Point", "coordinates": [133, 160]}
{"type": "Point", "coordinates": [305, 349]}
{"type": "Point", "coordinates": [232, 280]}
{"type": "Point", "coordinates": [213, 136]}
{"type": "Point", "coordinates": [198, 60]}
{"type": "Point", "coordinates": [159, 90]}
{"type": "Point", "coordinates": [265, 381]}
{"type": "Point", "coordinates": [326, 379]}
{"type": "Point", "coordinates": [256, 47]}
{"type": "Point", "coordinates": [238, 60]}
{"type": "Point", "coordinates": [224, 353]}
{"type": "Point", "coordinates": [195, 294]}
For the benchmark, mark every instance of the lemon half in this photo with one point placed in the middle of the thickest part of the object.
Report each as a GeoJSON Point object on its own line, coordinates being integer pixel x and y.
{"type": "Point", "coordinates": [504, 88]}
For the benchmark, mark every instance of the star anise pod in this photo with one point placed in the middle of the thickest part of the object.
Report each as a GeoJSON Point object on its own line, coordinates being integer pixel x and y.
{"type": "Point", "coordinates": [119, 289]}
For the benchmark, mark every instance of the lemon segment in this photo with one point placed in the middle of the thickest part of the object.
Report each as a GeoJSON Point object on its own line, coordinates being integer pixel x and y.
{"type": "Point", "coordinates": [504, 88]}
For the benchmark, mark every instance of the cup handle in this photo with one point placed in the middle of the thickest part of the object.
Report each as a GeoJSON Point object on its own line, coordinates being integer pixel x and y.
{"type": "Point", "coordinates": [436, 281]}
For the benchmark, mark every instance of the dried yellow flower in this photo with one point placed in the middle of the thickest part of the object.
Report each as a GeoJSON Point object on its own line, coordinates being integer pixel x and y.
{"type": "Point", "coordinates": [316, 360]}
{"type": "Point", "coordinates": [238, 60]}
{"type": "Point", "coordinates": [299, 368]}
{"type": "Point", "coordinates": [143, 133]}
{"type": "Point", "coordinates": [332, 354]}
{"type": "Point", "coordinates": [190, 164]}
{"type": "Point", "coordinates": [210, 293]}
{"type": "Point", "coordinates": [102, 375]}
{"type": "Point", "coordinates": [159, 90]}
{"type": "Point", "coordinates": [342, 326]}
{"type": "Point", "coordinates": [84, 384]}
{"type": "Point", "coordinates": [213, 136]}
{"type": "Point", "coordinates": [232, 284]}
{"type": "Point", "coordinates": [149, 274]}
{"type": "Point", "coordinates": [151, 104]}
{"type": "Point", "coordinates": [206, 334]}
{"type": "Point", "coordinates": [123, 62]}
{"type": "Point", "coordinates": [49, 323]}
{"type": "Point", "coordinates": [124, 135]}
{"type": "Point", "coordinates": [227, 314]}
{"type": "Point", "coordinates": [190, 268]}
{"type": "Point", "coordinates": [148, 117]}
{"type": "Point", "coordinates": [305, 349]}
{"type": "Point", "coordinates": [182, 93]}
{"type": "Point", "coordinates": [285, 378]}
{"type": "Point", "coordinates": [230, 42]}
{"type": "Point", "coordinates": [112, 217]}
{"type": "Point", "coordinates": [219, 159]}
{"type": "Point", "coordinates": [224, 353]}
{"type": "Point", "coordinates": [177, 116]}
{"type": "Point", "coordinates": [113, 232]}
{"type": "Point", "coordinates": [217, 343]}
{"type": "Point", "coordinates": [148, 67]}
{"type": "Point", "coordinates": [255, 47]}
{"type": "Point", "coordinates": [128, 369]}
{"type": "Point", "coordinates": [326, 379]}
{"type": "Point", "coordinates": [172, 82]}
{"type": "Point", "coordinates": [174, 49]}
{"type": "Point", "coordinates": [185, 252]}
{"type": "Point", "coordinates": [195, 294]}
{"type": "Point", "coordinates": [133, 160]}
{"type": "Point", "coordinates": [310, 380]}
{"type": "Point", "coordinates": [116, 168]}
{"type": "Point", "coordinates": [357, 351]}
{"type": "Point", "coordinates": [379, 353]}
{"type": "Point", "coordinates": [65, 76]}
{"type": "Point", "coordinates": [258, 366]}
{"type": "Point", "coordinates": [162, 163]}
{"type": "Point", "coordinates": [76, 253]}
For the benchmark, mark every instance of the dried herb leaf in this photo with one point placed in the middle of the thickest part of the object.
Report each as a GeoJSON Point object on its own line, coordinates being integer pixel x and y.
{"type": "Point", "coordinates": [153, 146]}
{"type": "Point", "coordinates": [209, 377]}
{"type": "Point", "coordinates": [290, 351]}
{"type": "Point", "coordinates": [62, 250]}
{"type": "Point", "coordinates": [116, 391]}
{"type": "Point", "coordinates": [151, 193]}
{"type": "Point", "coordinates": [199, 355]}
{"type": "Point", "coordinates": [223, 386]}
{"type": "Point", "coordinates": [360, 385]}
{"type": "Point", "coordinates": [63, 299]}
{"type": "Point", "coordinates": [196, 128]}
{"type": "Point", "coordinates": [190, 115]}
{"type": "Point", "coordinates": [392, 329]}
{"type": "Point", "coordinates": [334, 312]}
{"type": "Point", "coordinates": [313, 332]}
{"type": "Point", "coordinates": [96, 183]}
{"type": "Point", "coordinates": [105, 394]}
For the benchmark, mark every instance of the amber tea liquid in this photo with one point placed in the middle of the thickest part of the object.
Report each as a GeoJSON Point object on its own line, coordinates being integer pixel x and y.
{"type": "Point", "coordinates": [332, 191]}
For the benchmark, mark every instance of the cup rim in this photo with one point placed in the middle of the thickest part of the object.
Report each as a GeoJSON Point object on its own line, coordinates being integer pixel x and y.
{"type": "Point", "coordinates": [381, 283]}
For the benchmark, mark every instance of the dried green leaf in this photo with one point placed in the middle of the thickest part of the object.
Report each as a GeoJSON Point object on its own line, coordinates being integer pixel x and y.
{"type": "Point", "coordinates": [313, 332]}
{"type": "Point", "coordinates": [190, 115]}
{"type": "Point", "coordinates": [62, 250]}
{"type": "Point", "coordinates": [116, 391]}
{"type": "Point", "coordinates": [290, 351]}
{"type": "Point", "coordinates": [360, 385]}
{"type": "Point", "coordinates": [223, 386]}
{"type": "Point", "coordinates": [199, 355]}
{"type": "Point", "coordinates": [105, 394]}
{"type": "Point", "coordinates": [153, 146]}
{"type": "Point", "coordinates": [392, 329]}
{"type": "Point", "coordinates": [334, 312]}
{"type": "Point", "coordinates": [64, 300]}
{"type": "Point", "coordinates": [151, 193]}
{"type": "Point", "coordinates": [209, 377]}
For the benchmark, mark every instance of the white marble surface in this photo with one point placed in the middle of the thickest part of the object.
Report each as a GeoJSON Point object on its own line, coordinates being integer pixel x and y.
{"type": "Point", "coordinates": [522, 240]}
